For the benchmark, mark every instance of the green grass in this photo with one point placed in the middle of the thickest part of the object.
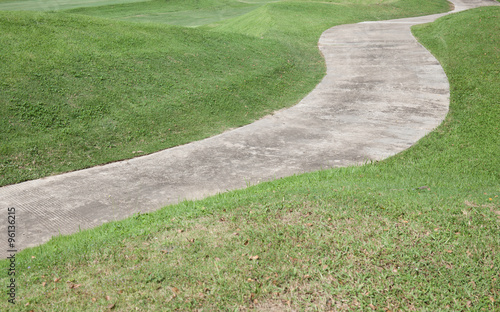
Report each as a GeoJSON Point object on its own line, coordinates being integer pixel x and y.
{"type": "Point", "coordinates": [175, 12]}
{"type": "Point", "coordinates": [357, 238]}
{"type": "Point", "coordinates": [80, 91]}
{"type": "Point", "coordinates": [54, 5]}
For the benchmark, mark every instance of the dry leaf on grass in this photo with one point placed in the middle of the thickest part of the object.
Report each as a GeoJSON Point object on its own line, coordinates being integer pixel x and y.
{"type": "Point", "coordinates": [175, 290]}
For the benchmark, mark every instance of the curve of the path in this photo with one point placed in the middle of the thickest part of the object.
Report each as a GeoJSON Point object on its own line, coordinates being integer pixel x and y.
{"type": "Point", "coordinates": [383, 91]}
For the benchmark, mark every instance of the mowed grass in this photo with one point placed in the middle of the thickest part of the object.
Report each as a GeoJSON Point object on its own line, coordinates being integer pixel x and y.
{"type": "Point", "coordinates": [80, 91]}
{"type": "Point", "coordinates": [54, 5]}
{"type": "Point", "coordinates": [419, 231]}
{"type": "Point", "coordinates": [174, 12]}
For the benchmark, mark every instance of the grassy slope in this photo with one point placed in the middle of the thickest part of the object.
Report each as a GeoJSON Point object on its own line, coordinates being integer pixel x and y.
{"type": "Point", "coordinates": [354, 238]}
{"type": "Point", "coordinates": [175, 12]}
{"type": "Point", "coordinates": [83, 91]}
{"type": "Point", "coordinates": [99, 90]}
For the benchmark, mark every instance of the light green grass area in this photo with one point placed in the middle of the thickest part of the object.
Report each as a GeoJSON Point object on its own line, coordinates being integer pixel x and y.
{"type": "Point", "coordinates": [419, 231]}
{"type": "Point", "coordinates": [175, 12]}
{"type": "Point", "coordinates": [80, 91]}
{"type": "Point", "coordinates": [54, 5]}
{"type": "Point", "coordinates": [193, 12]}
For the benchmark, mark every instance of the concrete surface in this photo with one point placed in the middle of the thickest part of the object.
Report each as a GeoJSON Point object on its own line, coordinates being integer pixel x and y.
{"type": "Point", "coordinates": [383, 91]}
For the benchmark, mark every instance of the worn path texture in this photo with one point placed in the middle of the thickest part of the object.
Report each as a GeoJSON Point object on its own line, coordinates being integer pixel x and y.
{"type": "Point", "coordinates": [383, 91]}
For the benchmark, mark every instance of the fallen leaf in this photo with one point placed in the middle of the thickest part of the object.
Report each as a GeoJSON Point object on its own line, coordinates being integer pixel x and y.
{"type": "Point", "coordinates": [74, 285]}
{"type": "Point", "coordinates": [44, 283]}
{"type": "Point", "coordinates": [120, 291]}
{"type": "Point", "coordinates": [254, 258]}
{"type": "Point", "coordinates": [33, 257]}
{"type": "Point", "coordinates": [108, 298]}
{"type": "Point", "coordinates": [57, 280]}
{"type": "Point", "coordinates": [180, 231]}
{"type": "Point", "coordinates": [175, 290]}
{"type": "Point", "coordinates": [94, 299]}
{"type": "Point", "coordinates": [307, 276]}
{"type": "Point", "coordinates": [309, 224]}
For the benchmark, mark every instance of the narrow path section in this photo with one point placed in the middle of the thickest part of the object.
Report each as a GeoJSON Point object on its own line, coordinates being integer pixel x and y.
{"type": "Point", "coordinates": [383, 91]}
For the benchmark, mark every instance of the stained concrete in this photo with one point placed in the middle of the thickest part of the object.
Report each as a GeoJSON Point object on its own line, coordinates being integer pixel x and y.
{"type": "Point", "coordinates": [383, 91]}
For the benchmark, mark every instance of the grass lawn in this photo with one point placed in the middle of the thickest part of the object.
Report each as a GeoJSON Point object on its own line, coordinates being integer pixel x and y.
{"type": "Point", "coordinates": [419, 231]}
{"type": "Point", "coordinates": [175, 12]}
{"type": "Point", "coordinates": [78, 91]}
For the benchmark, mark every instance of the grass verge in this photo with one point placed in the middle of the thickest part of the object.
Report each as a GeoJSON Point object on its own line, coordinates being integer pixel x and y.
{"type": "Point", "coordinates": [81, 91]}
{"type": "Point", "coordinates": [418, 231]}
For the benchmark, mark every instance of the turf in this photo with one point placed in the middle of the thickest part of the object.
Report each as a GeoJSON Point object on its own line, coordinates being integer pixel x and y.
{"type": "Point", "coordinates": [81, 91]}
{"type": "Point", "coordinates": [175, 12]}
{"type": "Point", "coordinates": [419, 231]}
{"type": "Point", "coordinates": [54, 5]}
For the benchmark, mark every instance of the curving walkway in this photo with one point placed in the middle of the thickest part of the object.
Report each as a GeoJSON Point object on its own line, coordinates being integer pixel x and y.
{"type": "Point", "coordinates": [383, 91]}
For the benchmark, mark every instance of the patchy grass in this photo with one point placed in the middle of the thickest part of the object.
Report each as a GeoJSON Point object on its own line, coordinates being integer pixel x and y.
{"type": "Point", "coordinates": [419, 231]}
{"type": "Point", "coordinates": [82, 91]}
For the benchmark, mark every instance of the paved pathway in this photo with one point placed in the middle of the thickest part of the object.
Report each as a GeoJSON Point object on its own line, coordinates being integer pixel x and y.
{"type": "Point", "coordinates": [383, 91]}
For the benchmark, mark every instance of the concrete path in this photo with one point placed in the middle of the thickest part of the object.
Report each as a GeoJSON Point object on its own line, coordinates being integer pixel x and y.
{"type": "Point", "coordinates": [383, 91]}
